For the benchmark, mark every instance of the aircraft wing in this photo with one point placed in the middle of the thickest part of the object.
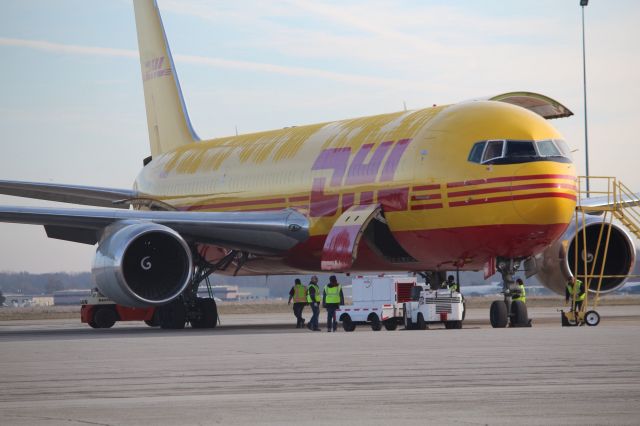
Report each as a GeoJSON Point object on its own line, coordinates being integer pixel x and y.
{"type": "Point", "coordinates": [269, 233]}
{"type": "Point", "coordinates": [75, 194]}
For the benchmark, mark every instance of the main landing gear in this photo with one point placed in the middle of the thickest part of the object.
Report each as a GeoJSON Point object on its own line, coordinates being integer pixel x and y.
{"type": "Point", "coordinates": [508, 312]}
{"type": "Point", "coordinates": [200, 312]}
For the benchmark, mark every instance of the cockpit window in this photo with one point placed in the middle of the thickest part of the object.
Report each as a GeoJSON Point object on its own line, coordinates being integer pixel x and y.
{"type": "Point", "coordinates": [518, 151]}
{"type": "Point", "coordinates": [548, 149]}
{"type": "Point", "coordinates": [493, 151]}
{"type": "Point", "coordinates": [564, 148]}
{"type": "Point", "coordinates": [476, 152]}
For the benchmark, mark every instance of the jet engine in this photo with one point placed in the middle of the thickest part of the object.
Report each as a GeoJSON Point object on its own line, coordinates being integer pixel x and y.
{"type": "Point", "coordinates": [141, 264]}
{"type": "Point", "coordinates": [557, 263]}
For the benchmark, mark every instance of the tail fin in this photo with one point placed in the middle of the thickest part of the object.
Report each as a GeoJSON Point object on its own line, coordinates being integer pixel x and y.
{"type": "Point", "coordinates": [167, 118]}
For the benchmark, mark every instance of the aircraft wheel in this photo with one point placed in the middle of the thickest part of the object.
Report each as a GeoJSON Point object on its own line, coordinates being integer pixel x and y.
{"type": "Point", "coordinates": [104, 317]}
{"type": "Point", "coordinates": [173, 316]}
{"type": "Point", "coordinates": [376, 325]}
{"type": "Point", "coordinates": [498, 314]}
{"type": "Point", "coordinates": [208, 313]}
{"type": "Point", "coordinates": [592, 318]}
{"type": "Point", "coordinates": [390, 325]}
{"type": "Point", "coordinates": [421, 325]}
{"type": "Point", "coordinates": [519, 315]}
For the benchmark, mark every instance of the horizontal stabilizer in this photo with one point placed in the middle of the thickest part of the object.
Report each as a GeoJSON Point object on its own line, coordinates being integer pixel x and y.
{"type": "Point", "coordinates": [74, 194]}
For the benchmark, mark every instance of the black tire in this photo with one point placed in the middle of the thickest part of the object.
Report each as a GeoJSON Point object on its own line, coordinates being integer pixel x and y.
{"type": "Point", "coordinates": [376, 325]}
{"type": "Point", "coordinates": [408, 324]}
{"type": "Point", "coordinates": [105, 317]}
{"type": "Point", "coordinates": [347, 324]}
{"type": "Point", "coordinates": [173, 316]}
{"type": "Point", "coordinates": [390, 325]}
{"type": "Point", "coordinates": [453, 325]}
{"type": "Point", "coordinates": [421, 324]}
{"type": "Point", "coordinates": [92, 324]}
{"type": "Point", "coordinates": [592, 318]}
{"type": "Point", "coordinates": [207, 314]}
{"type": "Point", "coordinates": [519, 315]}
{"type": "Point", "coordinates": [498, 314]}
{"type": "Point", "coordinates": [155, 319]}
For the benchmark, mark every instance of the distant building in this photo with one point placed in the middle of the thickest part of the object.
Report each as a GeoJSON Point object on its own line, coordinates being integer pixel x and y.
{"type": "Point", "coordinates": [70, 297]}
{"type": "Point", "coordinates": [42, 301]}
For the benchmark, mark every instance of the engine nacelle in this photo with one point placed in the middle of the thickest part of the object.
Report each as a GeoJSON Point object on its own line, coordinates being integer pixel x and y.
{"type": "Point", "coordinates": [557, 263]}
{"type": "Point", "coordinates": [141, 264]}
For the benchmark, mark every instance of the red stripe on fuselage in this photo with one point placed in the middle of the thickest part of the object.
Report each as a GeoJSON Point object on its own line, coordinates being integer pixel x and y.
{"type": "Point", "coordinates": [511, 188]}
{"type": "Point", "coordinates": [426, 206]}
{"type": "Point", "coordinates": [508, 179]}
{"type": "Point", "coordinates": [238, 204]}
{"type": "Point", "coordinates": [512, 198]}
{"type": "Point", "coordinates": [425, 187]}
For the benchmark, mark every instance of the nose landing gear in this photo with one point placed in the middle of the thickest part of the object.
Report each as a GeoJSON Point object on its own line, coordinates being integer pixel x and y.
{"type": "Point", "coordinates": [508, 312]}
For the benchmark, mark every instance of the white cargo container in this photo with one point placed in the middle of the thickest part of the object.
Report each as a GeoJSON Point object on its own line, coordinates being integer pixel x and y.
{"type": "Point", "coordinates": [434, 306]}
{"type": "Point", "coordinates": [377, 300]}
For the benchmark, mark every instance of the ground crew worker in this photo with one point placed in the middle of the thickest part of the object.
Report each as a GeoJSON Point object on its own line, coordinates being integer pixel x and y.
{"type": "Point", "coordinates": [451, 284]}
{"type": "Point", "coordinates": [520, 294]}
{"type": "Point", "coordinates": [313, 299]}
{"type": "Point", "coordinates": [575, 290]}
{"type": "Point", "coordinates": [299, 295]}
{"type": "Point", "coordinates": [332, 299]}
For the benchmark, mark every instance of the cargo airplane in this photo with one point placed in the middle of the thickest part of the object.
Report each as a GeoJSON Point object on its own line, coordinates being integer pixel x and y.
{"type": "Point", "coordinates": [487, 183]}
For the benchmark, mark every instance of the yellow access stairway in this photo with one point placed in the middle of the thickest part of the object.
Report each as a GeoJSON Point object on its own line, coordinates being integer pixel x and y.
{"type": "Point", "coordinates": [613, 197]}
{"type": "Point", "coordinates": [609, 198]}
{"type": "Point", "coordinates": [627, 213]}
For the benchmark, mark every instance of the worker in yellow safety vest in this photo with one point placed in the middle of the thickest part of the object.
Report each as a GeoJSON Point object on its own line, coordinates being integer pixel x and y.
{"type": "Point", "coordinates": [575, 291]}
{"type": "Point", "coordinates": [520, 294]}
{"type": "Point", "coordinates": [332, 299]}
{"type": "Point", "coordinates": [451, 284]}
{"type": "Point", "coordinates": [313, 299]}
{"type": "Point", "coordinates": [298, 294]}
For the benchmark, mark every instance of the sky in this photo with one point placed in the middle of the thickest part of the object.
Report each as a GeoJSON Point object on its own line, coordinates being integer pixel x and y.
{"type": "Point", "coordinates": [72, 108]}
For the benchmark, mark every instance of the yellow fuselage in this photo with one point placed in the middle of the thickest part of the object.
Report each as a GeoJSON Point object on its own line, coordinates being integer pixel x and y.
{"type": "Point", "coordinates": [442, 208]}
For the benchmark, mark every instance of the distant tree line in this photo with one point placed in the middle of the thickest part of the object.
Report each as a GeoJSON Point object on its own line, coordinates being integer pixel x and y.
{"type": "Point", "coordinates": [26, 283]}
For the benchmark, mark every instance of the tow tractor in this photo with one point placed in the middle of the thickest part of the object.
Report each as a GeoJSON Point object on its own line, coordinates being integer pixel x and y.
{"type": "Point", "coordinates": [432, 307]}
{"type": "Point", "coordinates": [101, 312]}
{"type": "Point", "coordinates": [376, 301]}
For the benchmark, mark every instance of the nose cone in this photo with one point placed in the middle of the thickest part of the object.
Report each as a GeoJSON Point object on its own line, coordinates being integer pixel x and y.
{"type": "Point", "coordinates": [544, 192]}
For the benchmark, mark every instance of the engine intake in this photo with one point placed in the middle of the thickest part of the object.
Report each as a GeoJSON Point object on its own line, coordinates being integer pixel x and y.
{"type": "Point", "coordinates": [557, 263]}
{"type": "Point", "coordinates": [142, 264]}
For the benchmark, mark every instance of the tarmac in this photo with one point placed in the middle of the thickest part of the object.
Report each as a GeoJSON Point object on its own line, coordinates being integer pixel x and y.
{"type": "Point", "coordinates": [259, 369]}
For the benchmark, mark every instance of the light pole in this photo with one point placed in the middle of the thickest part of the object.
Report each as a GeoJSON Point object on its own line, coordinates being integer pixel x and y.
{"type": "Point", "coordinates": [584, 3]}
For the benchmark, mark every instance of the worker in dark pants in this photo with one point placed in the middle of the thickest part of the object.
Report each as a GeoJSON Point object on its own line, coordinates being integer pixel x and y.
{"type": "Point", "coordinates": [313, 299]}
{"type": "Point", "coordinates": [332, 298]}
{"type": "Point", "coordinates": [520, 294]}
{"type": "Point", "coordinates": [298, 294]}
{"type": "Point", "coordinates": [575, 291]}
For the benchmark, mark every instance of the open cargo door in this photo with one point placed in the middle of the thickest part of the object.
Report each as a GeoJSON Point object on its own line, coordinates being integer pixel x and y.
{"type": "Point", "coordinates": [341, 246]}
